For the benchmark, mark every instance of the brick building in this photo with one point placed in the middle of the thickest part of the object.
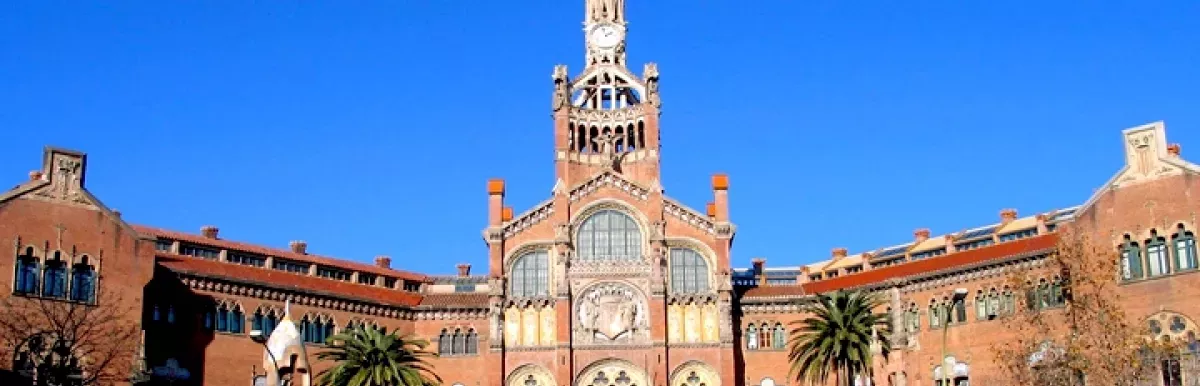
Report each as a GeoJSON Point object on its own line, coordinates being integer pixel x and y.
{"type": "Point", "coordinates": [608, 281]}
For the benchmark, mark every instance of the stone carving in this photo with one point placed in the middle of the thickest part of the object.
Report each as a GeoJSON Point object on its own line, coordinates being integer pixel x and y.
{"type": "Point", "coordinates": [658, 230]}
{"type": "Point", "coordinates": [562, 233]}
{"type": "Point", "coordinates": [611, 312]}
{"type": "Point", "coordinates": [650, 74]}
{"type": "Point", "coordinates": [606, 11]}
{"type": "Point", "coordinates": [66, 179]}
{"type": "Point", "coordinates": [1141, 153]}
{"type": "Point", "coordinates": [562, 87]}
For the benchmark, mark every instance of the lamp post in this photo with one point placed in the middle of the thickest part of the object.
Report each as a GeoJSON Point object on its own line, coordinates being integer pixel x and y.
{"type": "Point", "coordinates": [959, 295]}
{"type": "Point", "coordinates": [260, 338]}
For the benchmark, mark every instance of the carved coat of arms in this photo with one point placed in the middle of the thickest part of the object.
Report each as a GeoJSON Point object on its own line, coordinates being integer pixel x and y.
{"type": "Point", "coordinates": [610, 312]}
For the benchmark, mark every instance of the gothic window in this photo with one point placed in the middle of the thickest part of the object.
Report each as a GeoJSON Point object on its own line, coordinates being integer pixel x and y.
{"type": "Point", "coordinates": [265, 321]}
{"type": "Point", "coordinates": [914, 319]}
{"type": "Point", "coordinates": [459, 342]}
{"type": "Point", "coordinates": [764, 336]}
{"type": "Point", "coordinates": [752, 337]}
{"type": "Point", "coordinates": [1131, 260]}
{"type": "Point", "coordinates": [935, 315]}
{"type": "Point", "coordinates": [780, 337]}
{"type": "Point", "coordinates": [227, 319]}
{"type": "Point", "coordinates": [1156, 255]}
{"type": "Point", "coordinates": [960, 311]}
{"type": "Point", "coordinates": [609, 235]}
{"type": "Point", "coordinates": [530, 275]}
{"type": "Point", "coordinates": [444, 345]}
{"type": "Point", "coordinates": [472, 342]}
{"type": "Point", "coordinates": [981, 306]}
{"type": "Point", "coordinates": [170, 314]}
{"type": "Point", "coordinates": [308, 329]}
{"type": "Point", "coordinates": [329, 328]}
{"type": "Point", "coordinates": [54, 277]}
{"type": "Point", "coordinates": [1184, 248]}
{"type": "Point", "coordinates": [83, 281]}
{"type": "Point", "coordinates": [689, 271]}
{"type": "Point", "coordinates": [1008, 302]}
{"type": "Point", "coordinates": [28, 273]}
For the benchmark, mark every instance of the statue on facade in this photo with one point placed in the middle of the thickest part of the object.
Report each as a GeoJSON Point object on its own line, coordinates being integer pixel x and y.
{"type": "Point", "coordinates": [562, 87]}
{"type": "Point", "coordinates": [650, 74]}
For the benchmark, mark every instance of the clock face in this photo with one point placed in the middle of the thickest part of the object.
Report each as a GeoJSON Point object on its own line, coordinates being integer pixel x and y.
{"type": "Point", "coordinates": [605, 36]}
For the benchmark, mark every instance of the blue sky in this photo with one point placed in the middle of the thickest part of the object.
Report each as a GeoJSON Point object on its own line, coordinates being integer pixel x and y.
{"type": "Point", "coordinates": [371, 127]}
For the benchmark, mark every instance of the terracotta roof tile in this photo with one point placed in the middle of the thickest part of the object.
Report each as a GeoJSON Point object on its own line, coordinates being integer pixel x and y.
{"type": "Point", "coordinates": [474, 299]}
{"type": "Point", "coordinates": [774, 290]}
{"type": "Point", "coordinates": [257, 249]}
{"type": "Point", "coordinates": [998, 251]}
{"type": "Point", "coordinates": [287, 280]}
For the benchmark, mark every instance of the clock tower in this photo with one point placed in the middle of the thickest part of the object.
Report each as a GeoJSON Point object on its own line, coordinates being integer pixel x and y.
{"type": "Point", "coordinates": [606, 118]}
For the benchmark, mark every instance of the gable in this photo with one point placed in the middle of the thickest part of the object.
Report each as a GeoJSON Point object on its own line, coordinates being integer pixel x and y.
{"type": "Point", "coordinates": [1147, 158]}
{"type": "Point", "coordinates": [61, 181]}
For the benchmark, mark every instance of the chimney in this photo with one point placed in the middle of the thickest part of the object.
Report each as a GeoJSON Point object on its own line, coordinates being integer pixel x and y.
{"type": "Point", "coordinates": [1041, 223]}
{"type": "Point", "coordinates": [298, 246]}
{"type": "Point", "coordinates": [1007, 216]}
{"type": "Point", "coordinates": [839, 253]}
{"type": "Point", "coordinates": [710, 210]}
{"type": "Point", "coordinates": [382, 261]}
{"type": "Point", "coordinates": [950, 244]}
{"type": "Point", "coordinates": [921, 234]}
{"type": "Point", "coordinates": [866, 261]}
{"type": "Point", "coordinates": [758, 263]}
{"type": "Point", "coordinates": [495, 190]}
{"type": "Point", "coordinates": [507, 214]}
{"type": "Point", "coordinates": [116, 213]}
{"type": "Point", "coordinates": [35, 175]}
{"type": "Point", "coordinates": [464, 270]}
{"type": "Point", "coordinates": [720, 186]}
{"type": "Point", "coordinates": [1174, 149]}
{"type": "Point", "coordinates": [209, 231]}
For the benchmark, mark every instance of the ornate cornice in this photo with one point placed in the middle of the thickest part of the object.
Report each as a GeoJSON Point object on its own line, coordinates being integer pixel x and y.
{"type": "Point", "coordinates": [608, 178]}
{"type": "Point", "coordinates": [608, 269]}
{"type": "Point", "coordinates": [690, 217]}
{"type": "Point", "coordinates": [533, 216]}
{"type": "Point", "coordinates": [263, 292]}
{"type": "Point", "coordinates": [627, 115]}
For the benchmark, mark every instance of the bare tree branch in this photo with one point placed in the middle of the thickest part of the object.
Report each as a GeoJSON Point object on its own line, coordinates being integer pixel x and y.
{"type": "Point", "coordinates": [1087, 341]}
{"type": "Point", "coordinates": [102, 339]}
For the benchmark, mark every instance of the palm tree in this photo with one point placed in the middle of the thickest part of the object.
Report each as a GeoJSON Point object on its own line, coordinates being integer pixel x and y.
{"type": "Point", "coordinates": [370, 357]}
{"type": "Point", "coordinates": [837, 338]}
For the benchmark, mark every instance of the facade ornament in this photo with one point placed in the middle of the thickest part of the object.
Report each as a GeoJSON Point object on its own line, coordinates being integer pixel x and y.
{"type": "Point", "coordinates": [611, 312]}
{"type": "Point", "coordinates": [607, 142]}
{"type": "Point", "coordinates": [606, 11]}
{"type": "Point", "coordinates": [658, 230]}
{"type": "Point", "coordinates": [650, 74]}
{"type": "Point", "coordinates": [562, 87]}
{"type": "Point", "coordinates": [562, 233]}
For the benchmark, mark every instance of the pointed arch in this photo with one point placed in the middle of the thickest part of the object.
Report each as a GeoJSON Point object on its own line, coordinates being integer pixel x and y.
{"type": "Point", "coordinates": [445, 346]}
{"type": "Point", "coordinates": [1183, 246]}
{"type": "Point", "coordinates": [28, 272]}
{"type": "Point", "coordinates": [83, 280]}
{"type": "Point", "coordinates": [608, 234]}
{"type": "Point", "coordinates": [54, 276]}
{"type": "Point", "coordinates": [695, 373]}
{"type": "Point", "coordinates": [1157, 261]}
{"type": "Point", "coordinates": [530, 375]}
{"type": "Point", "coordinates": [1131, 259]}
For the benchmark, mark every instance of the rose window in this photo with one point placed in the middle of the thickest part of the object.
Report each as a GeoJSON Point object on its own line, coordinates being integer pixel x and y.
{"type": "Point", "coordinates": [693, 380]}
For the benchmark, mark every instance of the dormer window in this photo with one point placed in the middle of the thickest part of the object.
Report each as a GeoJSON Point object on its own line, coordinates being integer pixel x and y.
{"type": "Point", "coordinates": [198, 251]}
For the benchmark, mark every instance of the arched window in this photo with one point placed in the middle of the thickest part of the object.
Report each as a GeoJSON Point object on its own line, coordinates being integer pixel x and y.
{"type": "Point", "coordinates": [1185, 249]}
{"type": "Point", "coordinates": [328, 329]}
{"type": "Point", "coordinates": [914, 318]}
{"type": "Point", "coordinates": [689, 271]}
{"type": "Point", "coordinates": [265, 321]}
{"type": "Point", "coordinates": [752, 337]}
{"type": "Point", "coordinates": [764, 336]}
{"type": "Point", "coordinates": [236, 320]}
{"type": "Point", "coordinates": [459, 342]}
{"type": "Point", "coordinates": [530, 275]}
{"type": "Point", "coordinates": [28, 273]}
{"type": "Point", "coordinates": [981, 309]}
{"type": "Point", "coordinates": [780, 336]}
{"type": "Point", "coordinates": [83, 281]}
{"type": "Point", "coordinates": [256, 322]}
{"type": "Point", "coordinates": [472, 342]}
{"type": "Point", "coordinates": [444, 344]}
{"type": "Point", "coordinates": [935, 314]}
{"type": "Point", "coordinates": [960, 311]}
{"type": "Point", "coordinates": [55, 277]}
{"type": "Point", "coordinates": [993, 308]}
{"type": "Point", "coordinates": [609, 235]}
{"type": "Point", "coordinates": [1008, 302]}
{"type": "Point", "coordinates": [223, 318]}
{"type": "Point", "coordinates": [1158, 263]}
{"type": "Point", "coordinates": [307, 330]}
{"type": "Point", "coordinates": [1131, 260]}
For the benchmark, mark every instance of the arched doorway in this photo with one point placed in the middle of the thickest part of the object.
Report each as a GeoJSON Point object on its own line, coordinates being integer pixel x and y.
{"type": "Point", "coordinates": [612, 372]}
